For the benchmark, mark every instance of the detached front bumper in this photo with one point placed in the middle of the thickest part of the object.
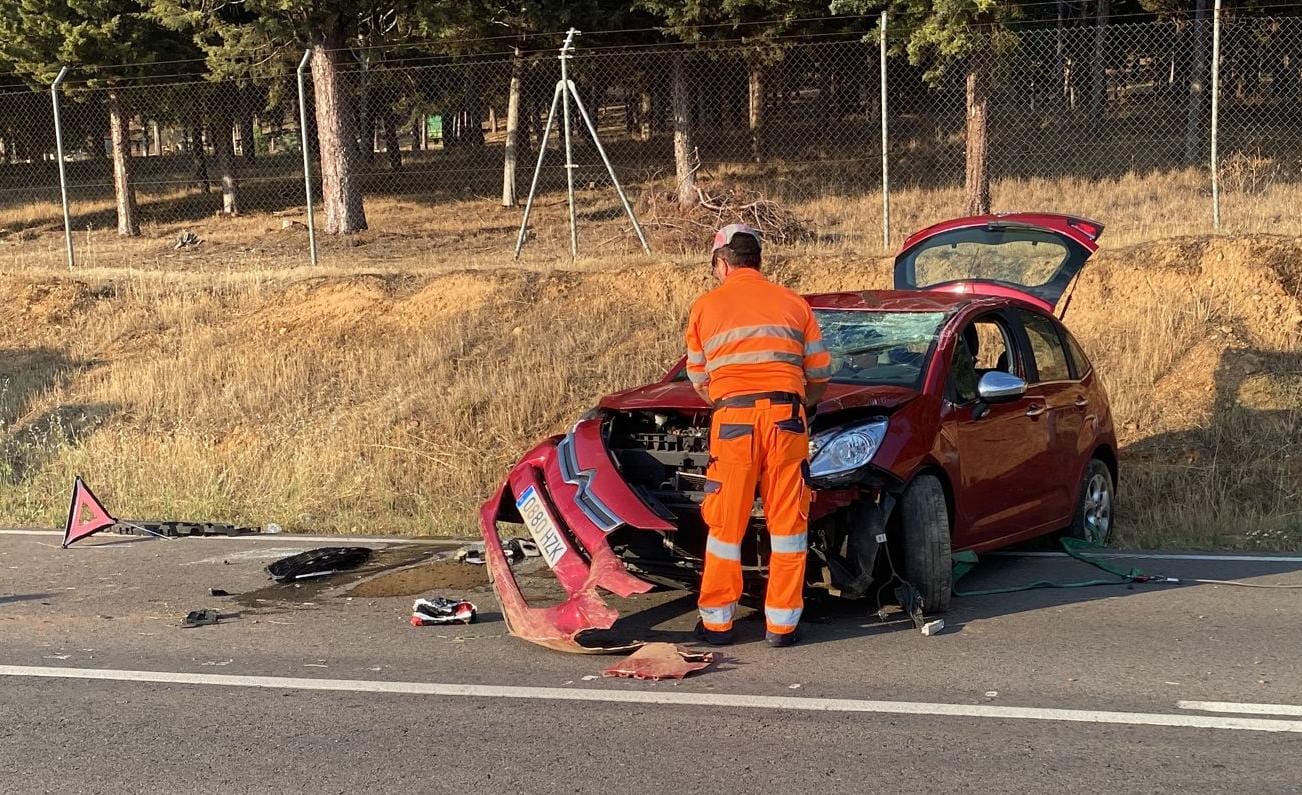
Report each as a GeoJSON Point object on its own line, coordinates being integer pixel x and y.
{"type": "Point", "coordinates": [574, 497]}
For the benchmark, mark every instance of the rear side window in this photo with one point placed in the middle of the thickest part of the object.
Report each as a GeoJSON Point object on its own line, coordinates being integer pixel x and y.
{"type": "Point", "coordinates": [1046, 346]}
{"type": "Point", "coordinates": [1079, 360]}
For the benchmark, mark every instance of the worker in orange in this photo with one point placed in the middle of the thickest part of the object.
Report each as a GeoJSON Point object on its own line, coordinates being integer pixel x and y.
{"type": "Point", "coordinates": [756, 354]}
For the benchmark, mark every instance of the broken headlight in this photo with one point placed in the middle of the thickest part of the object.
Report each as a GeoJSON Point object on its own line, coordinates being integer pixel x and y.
{"type": "Point", "coordinates": [843, 450]}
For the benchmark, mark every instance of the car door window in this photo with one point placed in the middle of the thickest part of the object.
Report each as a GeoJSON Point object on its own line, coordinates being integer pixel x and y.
{"type": "Point", "coordinates": [1079, 361]}
{"type": "Point", "coordinates": [983, 346]}
{"type": "Point", "coordinates": [1046, 347]}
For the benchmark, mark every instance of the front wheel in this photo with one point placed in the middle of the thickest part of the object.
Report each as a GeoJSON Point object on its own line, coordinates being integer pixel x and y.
{"type": "Point", "coordinates": [1092, 520]}
{"type": "Point", "coordinates": [924, 522]}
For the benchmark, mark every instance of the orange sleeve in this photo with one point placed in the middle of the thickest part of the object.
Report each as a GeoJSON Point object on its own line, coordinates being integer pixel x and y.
{"type": "Point", "coordinates": [818, 362]}
{"type": "Point", "coordinates": [695, 354]}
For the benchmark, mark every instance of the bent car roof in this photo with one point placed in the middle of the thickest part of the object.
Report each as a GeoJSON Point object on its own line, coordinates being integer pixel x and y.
{"type": "Point", "coordinates": [894, 300]}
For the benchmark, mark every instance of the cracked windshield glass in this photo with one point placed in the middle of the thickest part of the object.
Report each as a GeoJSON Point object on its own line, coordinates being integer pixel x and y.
{"type": "Point", "coordinates": [878, 347]}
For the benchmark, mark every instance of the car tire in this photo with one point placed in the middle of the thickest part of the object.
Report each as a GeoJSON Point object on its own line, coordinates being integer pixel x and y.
{"type": "Point", "coordinates": [924, 525]}
{"type": "Point", "coordinates": [1092, 520]}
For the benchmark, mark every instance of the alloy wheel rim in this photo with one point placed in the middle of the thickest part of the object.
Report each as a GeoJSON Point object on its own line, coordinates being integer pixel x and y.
{"type": "Point", "coordinates": [1098, 508]}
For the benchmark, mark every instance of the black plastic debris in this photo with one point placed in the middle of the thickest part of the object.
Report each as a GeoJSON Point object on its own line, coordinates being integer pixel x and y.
{"type": "Point", "coordinates": [183, 529]}
{"type": "Point", "coordinates": [318, 563]}
{"type": "Point", "coordinates": [441, 610]}
{"type": "Point", "coordinates": [203, 618]}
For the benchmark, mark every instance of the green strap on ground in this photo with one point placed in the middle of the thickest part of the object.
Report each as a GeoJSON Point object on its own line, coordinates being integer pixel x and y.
{"type": "Point", "coordinates": [964, 562]}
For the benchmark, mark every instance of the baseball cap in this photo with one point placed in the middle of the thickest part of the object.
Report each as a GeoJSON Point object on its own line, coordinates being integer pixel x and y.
{"type": "Point", "coordinates": [748, 243]}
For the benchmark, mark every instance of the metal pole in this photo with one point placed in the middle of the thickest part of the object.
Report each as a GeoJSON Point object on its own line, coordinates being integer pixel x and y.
{"type": "Point", "coordinates": [1216, 103]}
{"type": "Point", "coordinates": [886, 171]}
{"type": "Point", "coordinates": [537, 169]}
{"type": "Point", "coordinates": [307, 161]}
{"type": "Point", "coordinates": [609, 168]}
{"type": "Point", "coordinates": [569, 152]}
{"type": "Point", "coordinates": [63, 177]}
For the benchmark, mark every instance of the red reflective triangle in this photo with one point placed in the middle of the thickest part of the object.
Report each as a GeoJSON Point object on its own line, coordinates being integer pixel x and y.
{"type": "Point", "coordinates": [86, 515]}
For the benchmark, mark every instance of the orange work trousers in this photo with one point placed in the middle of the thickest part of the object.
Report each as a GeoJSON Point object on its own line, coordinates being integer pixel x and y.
{"type": "Point", "coordinates": [765, 445]}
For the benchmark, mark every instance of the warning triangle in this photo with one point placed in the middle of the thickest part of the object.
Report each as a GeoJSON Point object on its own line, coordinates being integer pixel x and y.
{"type": "Point", "coordinates": [86, 516]}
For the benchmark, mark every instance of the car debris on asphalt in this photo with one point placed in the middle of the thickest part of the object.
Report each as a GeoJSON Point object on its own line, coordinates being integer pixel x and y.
{"type": "Point", "coordinates": [203, 618]}
{"type": "Point", "coordinates": [516, 549]}
{"type": "Point", "coordinates": [656, 661]}
{"type": "Point", "coordinates": [439, 610]}
{"type": "Point", "coordinates": [318, 562]}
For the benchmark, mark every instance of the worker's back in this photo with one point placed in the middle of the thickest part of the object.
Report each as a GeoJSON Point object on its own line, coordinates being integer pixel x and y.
{"type": "Point", "coordinates": [754, 336]}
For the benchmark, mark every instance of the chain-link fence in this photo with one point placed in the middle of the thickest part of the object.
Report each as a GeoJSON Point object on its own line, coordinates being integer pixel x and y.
{"type": "Point", "coordinates": [1108, 120]}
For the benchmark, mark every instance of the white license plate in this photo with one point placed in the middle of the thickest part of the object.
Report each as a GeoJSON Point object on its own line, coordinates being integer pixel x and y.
{"type": "Point", "coordinates": [544, 531]}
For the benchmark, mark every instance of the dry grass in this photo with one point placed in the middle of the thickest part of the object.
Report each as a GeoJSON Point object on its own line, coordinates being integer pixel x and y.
{"type": "Point", "coordinates": [388, 390]}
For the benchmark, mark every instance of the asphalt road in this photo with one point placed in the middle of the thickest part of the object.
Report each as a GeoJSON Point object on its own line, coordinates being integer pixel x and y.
{"type": "Point", "coordinates": [326, 688]}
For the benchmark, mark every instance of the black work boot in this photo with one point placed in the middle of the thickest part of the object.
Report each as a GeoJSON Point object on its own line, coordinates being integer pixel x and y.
{"type": "Point", "coordinates": [711, 637]}
{"type": "Point", "coordinates": [780, 640]}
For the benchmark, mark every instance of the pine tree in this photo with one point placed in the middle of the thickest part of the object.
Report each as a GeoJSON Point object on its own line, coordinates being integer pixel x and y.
{"type": "Point", "coordinates": [107, 42]}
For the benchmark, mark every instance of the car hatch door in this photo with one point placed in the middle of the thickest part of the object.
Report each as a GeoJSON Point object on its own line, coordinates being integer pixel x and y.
{"type": "Point", "coordinates": [1031, 256]}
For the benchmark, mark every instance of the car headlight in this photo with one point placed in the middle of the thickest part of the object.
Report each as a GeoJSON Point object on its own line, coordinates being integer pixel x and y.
{"type": "Point", "coordinates": [843, 450]}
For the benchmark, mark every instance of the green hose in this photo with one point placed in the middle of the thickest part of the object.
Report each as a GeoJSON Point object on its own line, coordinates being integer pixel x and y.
{"type": "Point", "coordinates": [964, 562]}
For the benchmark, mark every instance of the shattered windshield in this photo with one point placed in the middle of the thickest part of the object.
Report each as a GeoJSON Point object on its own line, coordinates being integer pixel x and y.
{"type": "Point", "coordinates": [869, 347]}
{"type": "Point", "coordinates": [879, 347]}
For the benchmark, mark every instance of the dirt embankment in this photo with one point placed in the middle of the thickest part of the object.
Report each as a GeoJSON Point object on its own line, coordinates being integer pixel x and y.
{"type": "Point", "coordinates": [393, 403]}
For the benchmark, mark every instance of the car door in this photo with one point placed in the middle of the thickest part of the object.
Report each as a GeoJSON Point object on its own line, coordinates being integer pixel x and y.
{"type": "Point", "coordinates": [996, 443]}
{"type": "Point", "coordinates": [1061, 405]}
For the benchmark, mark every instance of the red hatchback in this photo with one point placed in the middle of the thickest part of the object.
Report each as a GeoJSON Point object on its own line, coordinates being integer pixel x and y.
{"type": "Point", "coordinates": [962, 415]}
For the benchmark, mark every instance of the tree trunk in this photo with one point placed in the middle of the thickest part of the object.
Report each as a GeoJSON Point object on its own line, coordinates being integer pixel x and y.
{"type": "Point", "coordinates": [248, 146]}
{"type": "Point", "coordinates": [512, 149]}
{"type": "Point", "coordinates": [644, 112]}
{"type": "Point", "coordinates": [1098, 64]}
{"type": "Point", "coordinates": [392, 149]}
{"type": "Point", "coordinates": [224, 149]}
{"type": "Point", "coordinates": [755, 97]}
{"type": "Point", "coordinates": [976, 187]}
{"type": "Point", "coordinates": [123, 190]}
{"type": "Point", "coordinates": [683, 146]}
{"type": "Point", "coordinates": [341, 190]}
{"type": "Point", "coordinates": [199, 158]}
{"type": "Point", "coordinates": [1060, 53]}
{"type": "Point", "coordinates": [1197, 86]}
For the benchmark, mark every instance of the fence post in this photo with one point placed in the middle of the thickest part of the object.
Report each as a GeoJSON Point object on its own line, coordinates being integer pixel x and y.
{"type": "Point", "coordinates": [566, 49]}
{"type": "Point", "coordinates": [307, 163]}
{"type": "Point", "coordinates": [63, 177]}
{"type": "Point", "coordinates": [1216, 107]}
{"type": "Point", "coordinates": [886, 179]}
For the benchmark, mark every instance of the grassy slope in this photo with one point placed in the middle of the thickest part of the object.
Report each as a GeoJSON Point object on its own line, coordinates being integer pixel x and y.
{"type": "Point", "coordinates": [392, 399]}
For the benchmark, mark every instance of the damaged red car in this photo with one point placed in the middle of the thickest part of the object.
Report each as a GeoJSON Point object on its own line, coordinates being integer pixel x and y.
{"type": "Point", "coordinates": [962, 415]}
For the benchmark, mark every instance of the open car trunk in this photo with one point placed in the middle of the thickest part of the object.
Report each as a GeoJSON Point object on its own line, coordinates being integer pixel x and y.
{"type": "Point", "coordinates": [1031, 256]}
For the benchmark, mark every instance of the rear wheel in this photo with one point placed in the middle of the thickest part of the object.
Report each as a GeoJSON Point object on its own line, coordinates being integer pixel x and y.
{"type": "Point", "coordinates": [1092, 520]}
{"type": "Point", "coordinates": [924, 525]}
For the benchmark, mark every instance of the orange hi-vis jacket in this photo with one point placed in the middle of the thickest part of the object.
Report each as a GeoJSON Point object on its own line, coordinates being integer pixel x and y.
{"type": "Point", "coordinates": [749, 336]}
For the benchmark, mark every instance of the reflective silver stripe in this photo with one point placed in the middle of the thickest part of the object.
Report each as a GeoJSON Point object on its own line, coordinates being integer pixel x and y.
{"type": "Point", "coordinates": [819, 372]}
{"type": "Point", "coordinates": [698, 378]}
{"type": "Point", "coordinates": [755, 357]}
{"type": "Point", "coordinates": [782, 618]}
{"type": "Point", "coordinates": [720, 549]}
{"type": "Point", "coordinates": [695, 357]}
{"type": "Point", "coordinates": [796, 543]}
{"type": "Point", "coordinates": [814, 347]}
{"type": "Point", "coordinates": [717, 615]}
{"type": "Point", "coordinates": [747, 332]}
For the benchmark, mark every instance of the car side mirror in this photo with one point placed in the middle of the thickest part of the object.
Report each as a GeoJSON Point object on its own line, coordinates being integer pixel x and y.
{"type": "Point", "coordinates": [1000, 387]}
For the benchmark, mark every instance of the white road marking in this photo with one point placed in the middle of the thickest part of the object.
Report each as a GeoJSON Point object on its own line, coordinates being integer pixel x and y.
{"type": "Point", "coordinates": [1292, 710]}
{"type": "Point", "coordinates": [725, 700]}
{"type": "Point", "coordinates": [279, 538]}
{"type": "Point", "coordinates": [1154, 556]}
